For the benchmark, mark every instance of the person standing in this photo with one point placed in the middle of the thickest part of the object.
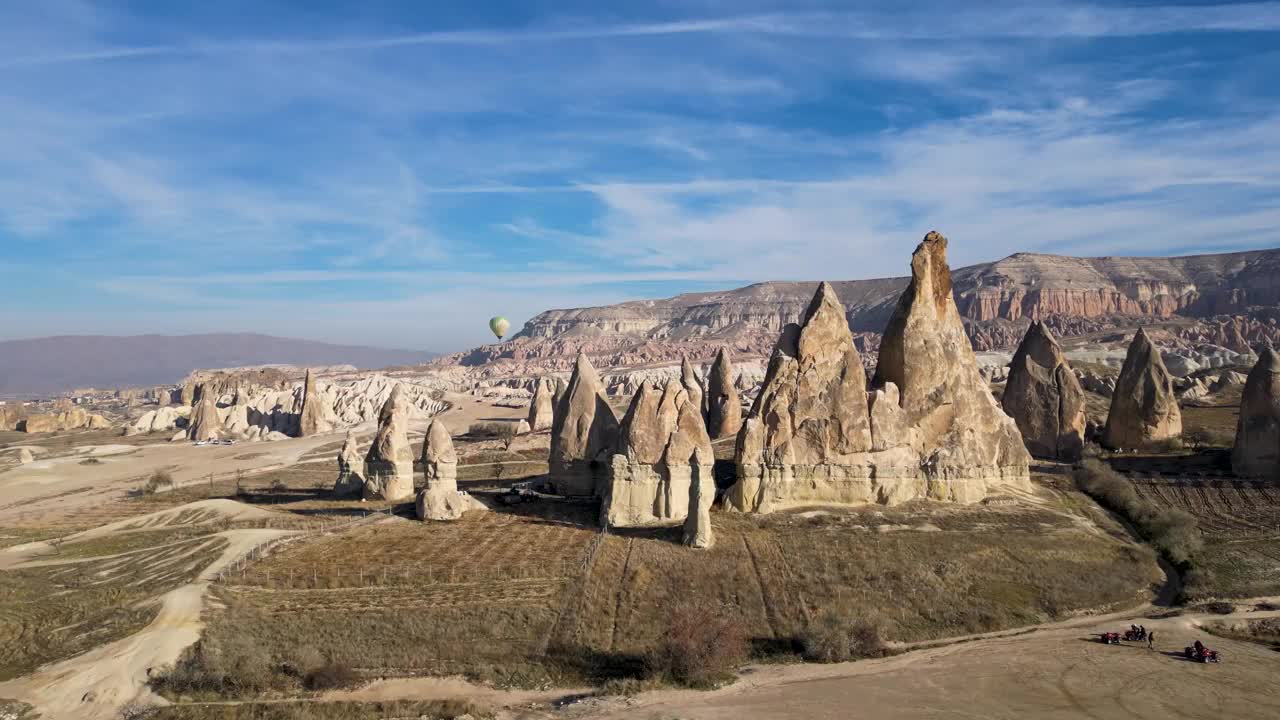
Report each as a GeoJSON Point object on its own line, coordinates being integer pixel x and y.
{"type": "Point", "coordinates": [1151, 640]}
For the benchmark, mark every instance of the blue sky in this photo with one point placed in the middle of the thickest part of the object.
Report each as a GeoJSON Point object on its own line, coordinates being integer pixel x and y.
{"type": "Point", "coordinates": [393, 173]}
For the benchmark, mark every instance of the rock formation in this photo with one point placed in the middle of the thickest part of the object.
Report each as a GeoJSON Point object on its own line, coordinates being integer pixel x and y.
{"type": "Point", "coordinates": [583, 434]}
{"type": "Point", "coordinates": [697, 525]}
{"type": "Point", "coordinates": [204, 424]}
{"type": "Point", "coordinates": [1257, 448]}
{"type": "Point", "coordinates": [929, 429]}
{"type": "Point", "coordinates": [1144, 410]}
{"type": "Point", "coordinates": [389, 465]}
{"type": "Point", "coordinates": [439, 499]}
{"type": "Point", "coordinates": [724, 408]}
{"type": "Point", "coordinates": [68, 419]}
{"type": "Point", "coordinates": [541, 408]}
{"type": "Point", "coordinates": [663, 447]}
{"type": "Point", "coordinates": [350, 480]}
{"type": "Point", "coordinates": [1044, 397]}
{"type": "Point", "coordinates": [692, 384]}
{"type": "Point", "coordinates": [187, 394]}
{"type": "Point", "coordinates": [25, 457]}
{"type": "Point", "coordinates": [311, 420]}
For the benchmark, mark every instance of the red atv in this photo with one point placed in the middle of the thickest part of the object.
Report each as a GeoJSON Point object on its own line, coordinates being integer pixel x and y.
{"type": "Point", "coordinates": [1199, 653]}
{"type": "Point", "coordinates": [1110, 638]}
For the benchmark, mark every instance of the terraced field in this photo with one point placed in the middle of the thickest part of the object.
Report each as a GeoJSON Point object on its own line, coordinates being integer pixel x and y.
{"type": "Point", "coordinates": [1240, 522]}
{"type": "Point", "coordinates": [536, 594]}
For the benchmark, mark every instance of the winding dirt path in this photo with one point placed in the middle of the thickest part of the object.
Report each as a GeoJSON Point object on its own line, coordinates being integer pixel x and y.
{"type": "Point", "coordinates": [98, 683]}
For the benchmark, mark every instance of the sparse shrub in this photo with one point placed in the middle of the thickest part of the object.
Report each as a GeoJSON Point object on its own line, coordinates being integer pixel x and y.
{"type": "Point", "coordinates": [835, 636]}
{"type": "Point", "coordinates": [1219, 608]}
{"type": "Point", "coordinates": [330, 676]}
{"type": "Point", "coordinates": [160, 479]}
{"type": "Point", "coordinates": [1173, 532]}
{"type": "Point", "coordinates": [492, 429]}
{"type": "Point", "coordinates": [234, 666]}
{"type": "Point", "coordinates": [278, 485]}
{"type": "Point", "coordinates": [91, 461]}
{"type": "Point", "coordinates": [700, 648]}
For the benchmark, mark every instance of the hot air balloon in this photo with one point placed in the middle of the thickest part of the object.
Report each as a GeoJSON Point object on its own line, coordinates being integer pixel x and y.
{"type": "Point", "coordinates": [499, 326]}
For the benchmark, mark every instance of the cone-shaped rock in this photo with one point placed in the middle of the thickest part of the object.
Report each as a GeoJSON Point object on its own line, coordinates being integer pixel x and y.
{"type": "Point", "coordinates": [724, 408]}
{"type": "Point", "coordinates": [311, 421]}
{"type": "Point", "coordinates": [692, 385]}
{"type": "Point", "coordinates": [968, 444]}
{"type": "Point", "coordinates": [697, 526]}
{"type": "Point", "coordinates": [1144, 410]}
{"type": "Point", "coordinates": [204, 423]}
{"type": "Point", "coordinates": [350, 468]}
{"type": "Point", "coordinates": [187, 394]}
{"type": "Point", "coordinates": [439, 498]}
{"type": "Point", "coordinates": [809, 430]}
{"type": "Point", "coordinates": [583, 435]}
{"type": "Point", "coordinates": [389, 465]}
{"type": "Point", "coordinates": [1257, 449]}
{"type": "Point", "coordinates": [541, 412]}
{"type": "Point", "coordinates": [1044, 397]}
{"type": "Point", "coordinates": [663, 447]}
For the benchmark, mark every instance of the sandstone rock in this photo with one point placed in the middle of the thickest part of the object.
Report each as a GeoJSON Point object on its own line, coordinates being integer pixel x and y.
{"type": "Point", "coordinates": [697, 525]}
{"type": "Point", "coordinates": [350, 480]}
{"type": "Point", "coordinates": [930, 428]}
{"type": "Point", "coordinates": [692, 384]}
{"type": "Point", "coordinates": [1044, 397]}
{"type": "Point", "coordinates": [41, 423]}
{"type": "Point", "coordinates": [439, 499]}
{"type": "Point", "coordinates": [583, 435]}
{"type": "Point", "coordinates": [98, 422]}
{"type": "Point", "coordinates": [1144, 410]}
{"type": "Point", "coordinates": [274, 436]}
{"type": "Point", "coordinates": [311, 420]}
{"type": "Point", "coordinates": [204, 424]}
{"type": "Point", "coordinates": [541, 407]}
{"type": "Point", "coordinates": [724, 409]}
{"type": "Point", "coordinates": [663, 447]}
{"type": "Point", "coordinates": [389, 465]}
{"type": "Point", "coordinates": [969, 445]}
{"type": "Point", "coordinates": [25, 457]}
{"type": "Point", "coordinates": [522, 428]}
{"type": "Point", "coordinates": [187, 394]}
{"type": "Point", "coordinates": [1257, 448]}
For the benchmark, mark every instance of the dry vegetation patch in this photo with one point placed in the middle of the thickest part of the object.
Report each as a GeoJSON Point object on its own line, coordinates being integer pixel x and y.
{"type": "Point", "coordinates": [536, 595]}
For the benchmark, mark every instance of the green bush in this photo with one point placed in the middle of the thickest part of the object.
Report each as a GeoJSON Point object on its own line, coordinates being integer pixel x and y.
{"type": "Point", "coordinates": [1173, 532]}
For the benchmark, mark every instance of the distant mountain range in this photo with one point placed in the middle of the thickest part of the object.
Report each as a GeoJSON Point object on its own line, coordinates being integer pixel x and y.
{"type": "Point", "coordinates": [54, 364]}
{"type": "Point", "coordinates": [1230, 298]}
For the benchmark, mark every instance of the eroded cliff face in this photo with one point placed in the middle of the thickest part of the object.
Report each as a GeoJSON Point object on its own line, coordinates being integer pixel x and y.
{"type": "Point", "coordinates": [997, 302]}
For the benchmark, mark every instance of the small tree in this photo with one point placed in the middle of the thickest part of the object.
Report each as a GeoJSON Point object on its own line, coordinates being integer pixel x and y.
{"type": "Point", "coordinates": [159, 480]}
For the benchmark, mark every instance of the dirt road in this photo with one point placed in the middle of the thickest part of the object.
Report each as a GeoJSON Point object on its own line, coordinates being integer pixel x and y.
{"type": "Point", "coordinates": [1052, 673]}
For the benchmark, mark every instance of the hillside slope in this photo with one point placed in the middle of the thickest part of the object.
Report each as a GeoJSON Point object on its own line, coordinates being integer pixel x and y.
{"type": "Point", "coordinates": [1233, 296]}
{"type": "Point", "coordinates": [52, 364]}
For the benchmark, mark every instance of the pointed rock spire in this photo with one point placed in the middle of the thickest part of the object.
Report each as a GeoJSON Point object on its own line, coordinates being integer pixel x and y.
{"type": "Point", "coordinates": [204, 423]}
{"type": "Point", "coordinates": [584, 433]}
{"type": "Point", "coordinates": [1257, 448]}
{"type": "Point", "coordinates": [1144, 409]}
{"type": "Point", "coordinates": [724, 408]}
{"type": "Point", "coordinates": [311, 420]}
{"type": "Point", "coordinates": [541, 408]}
{"type": "Point", "coordinates": [350, 468]}
{"type": "Point", "coordinates": [389, 464]}
{"type": "Point", "coordinates": [692, 384]}
{"type": "Point", "coordinates": [1044, 397]}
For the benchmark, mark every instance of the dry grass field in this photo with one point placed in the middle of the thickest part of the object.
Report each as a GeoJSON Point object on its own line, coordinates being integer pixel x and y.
{"type": "Point", "coordinates": [536, 595]}
{"type": "Point", "coordinates": [90, 593]}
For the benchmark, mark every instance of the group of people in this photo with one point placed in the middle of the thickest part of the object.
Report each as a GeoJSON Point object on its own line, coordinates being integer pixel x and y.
{"type": "Point", "coordinates": [1139, 632]}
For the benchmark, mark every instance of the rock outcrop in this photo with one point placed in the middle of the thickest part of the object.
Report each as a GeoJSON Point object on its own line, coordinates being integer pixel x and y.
{"type": "Point", "coordinates": [439, 498]}
{"type": "Point", "coordinates": [663, 447]}
{"type": "Point", "coordinates": [1144, 409]}
{"type": "Point", "coordinates": [583, 435]}
{"type": "Point", "coordinates": [724, 408]}
{"type": "Point", "coordinates": [67, 419]}
{"type": "Point", "coordinates": [697, 524]}
{"type": "Point", "coordinates": [930, 428]}
{"type": "Point", "coordinates": [311, 421]}
{"type": "Point", "coordinates": [1257, 448]}
{"type": "Point", "coordinates": [350, 482]}
{"type": "Point", "coordinates": [692, 384]}
{"type": "Point", "coordinates": [542, 407]}
{"type": "Point", "coordinates": [388, 466]}
{"type": "Point", "coordinates": [25, 457]}
{"type": "Point", "coordinates": [204, 423]}
{"type": "Point", "coordinates": [1044, 398]}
